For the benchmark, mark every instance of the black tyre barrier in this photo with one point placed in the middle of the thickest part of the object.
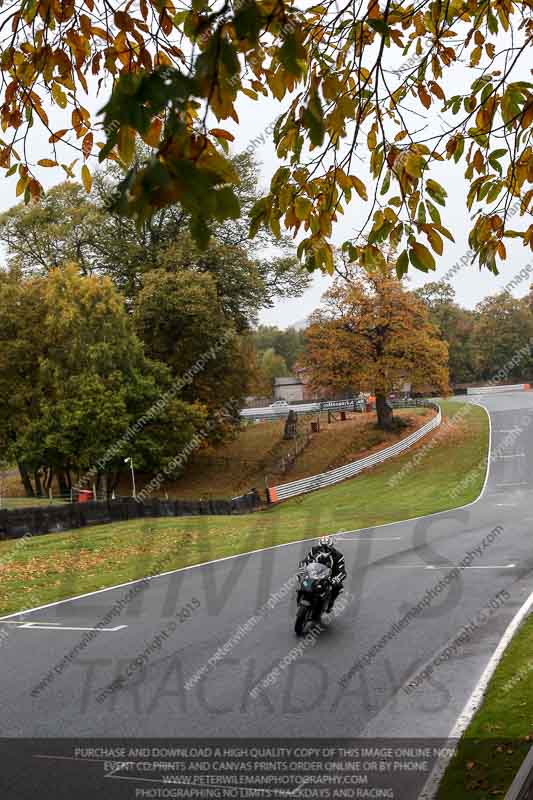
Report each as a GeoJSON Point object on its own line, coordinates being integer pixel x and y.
{"type": "Point", "coordinates": [38, 520]}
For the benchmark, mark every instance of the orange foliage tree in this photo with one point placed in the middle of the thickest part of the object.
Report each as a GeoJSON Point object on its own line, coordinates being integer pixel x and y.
{"type": "Point", "coordinates": [371, 334]}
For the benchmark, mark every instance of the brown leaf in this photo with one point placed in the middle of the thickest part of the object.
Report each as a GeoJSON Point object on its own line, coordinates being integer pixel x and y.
{"type": "Point", "coordinates": [425, 98]}
{"type": "Point", "coordinates": [55, 137]}
{"type": "Point", "coordinates": [87, 145]}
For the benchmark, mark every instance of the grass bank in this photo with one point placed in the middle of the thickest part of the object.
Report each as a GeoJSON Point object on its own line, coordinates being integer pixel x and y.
{"type": "Point", "coordinates": [259, 450]}
{"type": "Point", "coordinates": [258, 453]}
{"type": "Point", "coordinates": [40, 570]}
{"type": "Point", "coordinates": [501, 733]}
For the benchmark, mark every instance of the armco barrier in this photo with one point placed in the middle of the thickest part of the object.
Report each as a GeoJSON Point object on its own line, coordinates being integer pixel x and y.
{"type": "Point", "coordinates": [37, 520]}
{"type": "Point", "coordinates": [286, 490]}
{"type": "Point", "coordinates": [515, 387]}
{"type": "Point", "coordinates": [269, 412]}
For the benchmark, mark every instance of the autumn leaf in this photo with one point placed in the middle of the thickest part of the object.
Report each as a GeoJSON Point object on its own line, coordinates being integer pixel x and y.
{"type": "Point", "coordinates": [86, 178]}
{"type": "Point", "coordinates": [222, 134]}
{"type": "Point", "coordinates": [359, 187]}
{"type": "Point", "coordinates": [425, 98]}
{"type": "Point", "coordinates": [87, 145]}
{"type": "Point", "coordinates": [421, 257]}
{"type": "Point", "coordinates": [55, 137]}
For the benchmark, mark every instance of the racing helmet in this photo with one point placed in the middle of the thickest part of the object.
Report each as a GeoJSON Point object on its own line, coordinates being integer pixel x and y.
{"type": "Point", "coordinates": [326, 541]}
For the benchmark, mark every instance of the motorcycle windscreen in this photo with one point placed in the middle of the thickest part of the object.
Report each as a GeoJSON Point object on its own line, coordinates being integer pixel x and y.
{"type": "Point", "coordinates": [317, 571]}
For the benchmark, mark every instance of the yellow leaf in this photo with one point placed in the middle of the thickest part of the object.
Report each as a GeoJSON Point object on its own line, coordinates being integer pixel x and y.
{"type": "Point", "coordinates": [249, 93]}
{"type": "Point", "coordinates": [47, 162]}
{"type": "Point", "coordinates": [475, 56]}
{"type": "Point", "coordinates": [59, 96]}
{"type": "Point", "coordinates": [86, 178]}
{"type": "Point", "coordinates": [21, 185]}
{"type": "Point", "coordinates": [359, 187]}
{"type": "Point", "coordinates": [424, 256]}
{"type": "Point", "coordinates": [434, 239]}
{"type": "Point", "coordinates": [126, 143]}
{"type": "Point", "coordinates": [527, 117]}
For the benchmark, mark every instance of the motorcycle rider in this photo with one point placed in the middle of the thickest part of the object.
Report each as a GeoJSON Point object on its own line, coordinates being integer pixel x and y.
{"type": "Point", "coordinates": [325, 552]}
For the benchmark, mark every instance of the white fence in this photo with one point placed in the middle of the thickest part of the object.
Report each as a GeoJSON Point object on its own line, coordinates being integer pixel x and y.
{"type": "Point", "coordinates": [516, 387]}
{"type": "Point", "coordinates": [286, 490]}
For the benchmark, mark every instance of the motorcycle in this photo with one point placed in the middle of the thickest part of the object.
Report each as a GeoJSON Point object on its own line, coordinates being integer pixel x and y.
{"type": "Point", "coordinates": [313, 595]}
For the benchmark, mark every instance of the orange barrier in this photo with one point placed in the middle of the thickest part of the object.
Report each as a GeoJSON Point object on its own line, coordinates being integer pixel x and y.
{"type": "Point", "coordinates": [272, 495]}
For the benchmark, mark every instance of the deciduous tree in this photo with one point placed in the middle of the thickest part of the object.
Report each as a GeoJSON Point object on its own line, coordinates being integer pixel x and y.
{"type": "Point", "coordinates": [67, 224]}
{"type": "Point", "coordinates": [181, 320]}
{"type": "Point", "coordinates": [74, 377]}
{"type": "Point", "coordinates": [503, 338]}
{"type": "Point", "coordinates": [287, 343]}
{"type": "Point", "coordinates": [457, 326]}
{"type": "Point", "coordinates": [372, 335]}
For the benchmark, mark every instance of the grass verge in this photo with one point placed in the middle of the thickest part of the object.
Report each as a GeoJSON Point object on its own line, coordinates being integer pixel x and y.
{"type": "Point", "coordinates": [51, 567]}
{"type": "Point", "coordinates": [258, 451]}
{"type": "Point", "coordinates": [501, 733]}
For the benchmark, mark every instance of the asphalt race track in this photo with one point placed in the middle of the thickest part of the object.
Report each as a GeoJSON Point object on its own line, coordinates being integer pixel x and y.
{"type": "Point", "coordinates": [360, 678]}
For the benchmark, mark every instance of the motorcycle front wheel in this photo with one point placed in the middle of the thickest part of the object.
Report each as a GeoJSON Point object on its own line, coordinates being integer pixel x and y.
{"type": "Point", "coordinates": [302, 615]}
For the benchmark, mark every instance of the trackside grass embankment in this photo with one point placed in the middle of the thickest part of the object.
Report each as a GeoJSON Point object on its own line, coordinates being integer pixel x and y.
{"type": "Point", "coordinates": [257, 451]}
{"type": "Point", "coordinates": [47, 568]}
{"type": "Point", "coordinates": [501, 733]}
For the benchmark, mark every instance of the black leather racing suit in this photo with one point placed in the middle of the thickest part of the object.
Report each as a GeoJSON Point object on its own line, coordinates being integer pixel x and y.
{"type": "Point", "coordinates": [338, 567]}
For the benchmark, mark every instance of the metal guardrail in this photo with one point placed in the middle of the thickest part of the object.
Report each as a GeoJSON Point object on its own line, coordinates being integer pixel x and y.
{"type": "Point", "coordinates": [281, 411]}
{"type": "Point", "coordinates": [337, 405]}
{"type": "Point", "coordinates": [515, 387]}
{"type": "Point", "coordinates": [304, 485]}
{"type": "Point", "coordinates": [270, 412]}
{"type": "Point", "coordinates": [522, 786]}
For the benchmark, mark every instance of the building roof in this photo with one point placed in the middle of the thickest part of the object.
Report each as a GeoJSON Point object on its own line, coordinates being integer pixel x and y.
{"type": "Point", "coordinates": [287, 381]}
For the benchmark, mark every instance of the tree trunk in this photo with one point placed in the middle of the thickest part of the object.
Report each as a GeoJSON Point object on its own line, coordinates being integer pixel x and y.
{"type": "Point", "coordinates": [384, 412]}
{"type": "Point", "coordinates": [38, 485]}
{"type": "Point", "coordinates": [26, 481]}
{"type": "Point", "coordinates": [114, 480]}
{"type": "Point", "coordinates": [48, 478]}
{"type": "Point", "coordinates": [64, 488]}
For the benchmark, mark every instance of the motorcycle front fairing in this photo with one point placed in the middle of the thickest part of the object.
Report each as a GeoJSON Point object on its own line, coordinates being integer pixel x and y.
{"type": "Point", "coordinates": [315, 582]}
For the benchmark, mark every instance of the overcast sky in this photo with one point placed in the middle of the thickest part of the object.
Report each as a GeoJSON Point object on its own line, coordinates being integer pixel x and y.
{"type": "Point", "coordinates": [470, 284]}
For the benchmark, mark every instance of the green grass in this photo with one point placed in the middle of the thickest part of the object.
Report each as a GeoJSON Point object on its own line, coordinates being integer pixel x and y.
{"type": "Point", "coordinates": [27, 502]}
{"type": "Point", "coordinates": [56, 566]}
{"type": "Point", "coordinates": [255, 454]}
{"type": "Point", "coordinates": [501, 733]}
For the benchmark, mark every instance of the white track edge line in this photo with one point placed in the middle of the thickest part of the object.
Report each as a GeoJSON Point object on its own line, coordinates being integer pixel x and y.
{"type": "Point", "coordinates": [262, 549]}
{"type": "Point", "coordinates": [474, 702]}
